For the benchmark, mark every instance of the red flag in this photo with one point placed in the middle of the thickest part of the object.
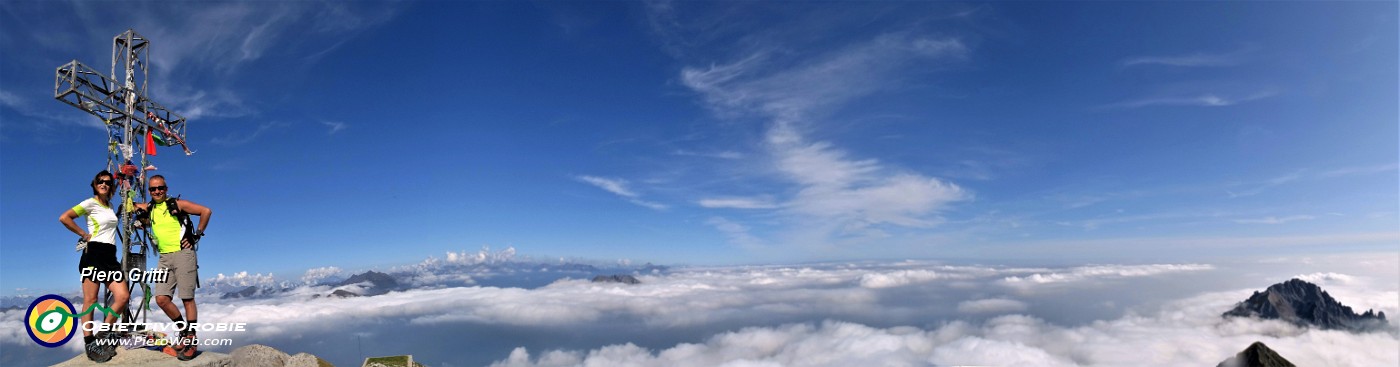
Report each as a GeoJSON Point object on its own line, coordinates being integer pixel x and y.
{"type": "Point", "coordinates": [150, 143]}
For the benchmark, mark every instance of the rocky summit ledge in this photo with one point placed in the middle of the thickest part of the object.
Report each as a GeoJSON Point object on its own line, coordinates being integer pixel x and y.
{"type": "Point", "coordinates": [249, 355]}
{"type": "Point", "coordinates": [143, 357]}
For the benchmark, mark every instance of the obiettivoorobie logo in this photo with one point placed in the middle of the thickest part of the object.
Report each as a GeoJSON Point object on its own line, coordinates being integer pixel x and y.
{"type": "Point", "coordinates": [50, 320]}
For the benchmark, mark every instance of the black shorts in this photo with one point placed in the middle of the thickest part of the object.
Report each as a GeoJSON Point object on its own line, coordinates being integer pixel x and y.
{"type": "Point", "coordinates": [100, 255]}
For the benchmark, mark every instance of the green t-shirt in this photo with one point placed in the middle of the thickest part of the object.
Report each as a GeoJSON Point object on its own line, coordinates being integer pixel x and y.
{"type": "Point", "coordinates": [166, 228]}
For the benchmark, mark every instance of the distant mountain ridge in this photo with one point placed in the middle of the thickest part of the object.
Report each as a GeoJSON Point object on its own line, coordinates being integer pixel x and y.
{"type": "Point", "coordinates": [379, 283]}
{"type": "Point", "coordinates": [438, 274]}
{"type": "Point", "coordinates": [1305, 304]}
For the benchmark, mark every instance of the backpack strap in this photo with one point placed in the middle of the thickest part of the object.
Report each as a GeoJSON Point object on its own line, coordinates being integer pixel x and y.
{"type": "Point", "coordinates": [173, 204]}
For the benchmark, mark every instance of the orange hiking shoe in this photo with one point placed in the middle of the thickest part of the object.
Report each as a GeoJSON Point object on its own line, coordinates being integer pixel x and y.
{"type": "Point", "coordinates": [191, 348]}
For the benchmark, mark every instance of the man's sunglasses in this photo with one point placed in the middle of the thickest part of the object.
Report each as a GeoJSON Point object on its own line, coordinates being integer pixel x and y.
{"type": "Point", "coordinates": [158, 188]}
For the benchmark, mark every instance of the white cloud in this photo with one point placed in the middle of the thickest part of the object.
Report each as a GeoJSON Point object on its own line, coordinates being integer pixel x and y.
{"type": "Point", "coordinates": [620, 187]}
{"type": "Point", "coordinates": [316, 275]}
{"type": "Point", "coordinates": [649, 204]}
{"type": "Point", "coordinates": [1325, 278]}
{"type": "Point", "coordinates": [197, 104]}
{"type": "Point", "coordinates": [235, 139]}
{"type": "Point", "coordinates": [739, 203]}
{"type": "Point", "coordinates": [727, 154]}
{"type": "Point", "coordinates": [829, 344]}
{"type": "Point", "coordinates": [26, 108]}
{"type": "Point", "coordinates": [1183, 247]}
{"type": "Point", "coordinates": [483, 256]}
{"type": "Point", "coordinates": [834, 314]}
{"type": "Point", "coordinates": [1102, 271]}
{"type": "Point", "coordinates": [737, 233]}
{"type": "Point", "coordinates": [226, 37]}
{"type": "Point", "coordinates": [1201, 100]}
{"type": "Point", "coordinates": [334, 126]}
{"type": "Point", "coordinates": [836, 194]}
{"type": "Point", "coordinates": [1365, 170]}
{"type": "Point", "coordinates": [11, 100]}
{"type": "Point", "coordinates": [242, 278]}
{"type": "Point", "coordinates": [1193, 60]}
{"type": "Point", "coordinates": [696, 296]}
{"type": "Point", "coordinates": [991, 305]}
{"type": "Point", "coordinates": [199, 51]}
{"type": "Point", "coordinates": [898, 278]}
{"type": "Point", "coordinates": [1259, 187]}
{"type": "Point", "coordinates": [1191, 333]}
{"type": "Point", "coordinates": [791, 91]}
{"type": "Point", "coordinates": [1275, 220]}
{"type": "Point", "coordinates": [613, 185]}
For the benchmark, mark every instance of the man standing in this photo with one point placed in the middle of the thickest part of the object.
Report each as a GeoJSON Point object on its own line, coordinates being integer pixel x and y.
{"type": "Point", "coordinates": [177, 240]}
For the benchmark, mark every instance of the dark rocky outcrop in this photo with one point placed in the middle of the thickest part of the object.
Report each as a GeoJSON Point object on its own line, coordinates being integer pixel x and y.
{"type": "Point", "coordinates": [374, 283]}
{"type": "Point", "coordinates": [245, 293]}
{"type": "Point", "coordinates": [252, 355]}
{"type": "Point", "coordinates": [617, 278]}
{"type": "Point", "coordinates": [258, 355]}
{"type": "Point", "coordinates": [650, 268]}
{"type": "Point", "coordinates": [1257, 355]}
{"type": "Point", "coordinates": [1306, 304]}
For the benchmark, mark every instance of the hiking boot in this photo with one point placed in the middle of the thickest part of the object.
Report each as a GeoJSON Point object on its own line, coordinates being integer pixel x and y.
{"type": "Point", "coordinates": [191, 348]}
{"type": "Point", "coordinates": [114, 340]}
{"type": "Point", "coordinates": [99, 353]}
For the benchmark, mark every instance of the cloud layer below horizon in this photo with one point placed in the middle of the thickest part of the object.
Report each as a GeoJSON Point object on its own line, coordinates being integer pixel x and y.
{"type": "Point", "coordinates": [912, 313]}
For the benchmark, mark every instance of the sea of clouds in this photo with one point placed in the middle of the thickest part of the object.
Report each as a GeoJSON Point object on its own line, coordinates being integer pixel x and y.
{"type": "Point", "coordinates": [886, 313]}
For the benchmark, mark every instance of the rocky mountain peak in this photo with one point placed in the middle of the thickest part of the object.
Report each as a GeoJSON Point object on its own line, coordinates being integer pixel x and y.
{"type": "Point", "coordinates": [1305, 304]}
{"type": "Point", "coordinates": [1257, 355]}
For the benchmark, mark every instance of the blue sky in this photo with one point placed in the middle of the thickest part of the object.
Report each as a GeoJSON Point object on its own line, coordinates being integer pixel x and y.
{"type": "Point", "coordinates": [369, 134]}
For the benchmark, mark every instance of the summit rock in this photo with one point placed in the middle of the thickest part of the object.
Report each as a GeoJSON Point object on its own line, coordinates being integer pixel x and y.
{"type": "Point", "coordinates": [1305, 304]}
{"type": "Point", "coordinates": [1257, 355]}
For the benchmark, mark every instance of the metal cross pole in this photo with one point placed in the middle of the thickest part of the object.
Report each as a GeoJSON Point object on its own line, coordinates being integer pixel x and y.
{"type": "Point", "coordinates": [133, 122]}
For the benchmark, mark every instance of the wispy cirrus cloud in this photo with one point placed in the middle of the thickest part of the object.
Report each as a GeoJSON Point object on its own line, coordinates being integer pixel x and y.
{"type": "Point", "coordinates": [739, 203]}
{"type": "Point", "coordinates": [738, 234]}
{"type": "Point", "coordinates": [240, 138]}
{"type": "Point", "coordinates": [613, 185]}
{"type": "Point", "coordinates": [200, 53]}
{"type": "Point", "coordinates": [725, 154]}
{"type": "Point", "coordinates": [1198, 59]}
{"type": "Point", "coordinates": [248, 32]}
{"type": "Point", "coordinates": [1201, 100]}
{"type": "Point", "coordinates": [333, 127]}
{"type": "Point", "coordinates": [1275, 220]}
{"type": "Point", "coordinates": [1360, 170]}
{"type": "Point", "coordinates": [834, 193]}
{"type": "Point", "coordinates": [25, 107]}
{"type": "Point", "coordinates": [1258, 187]}
{"type": "Point", "coordinates": [620, 187]}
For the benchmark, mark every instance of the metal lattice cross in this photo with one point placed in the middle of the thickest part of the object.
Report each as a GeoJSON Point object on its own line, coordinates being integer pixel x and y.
{"type": "Point", "coordinates": [133, 121]}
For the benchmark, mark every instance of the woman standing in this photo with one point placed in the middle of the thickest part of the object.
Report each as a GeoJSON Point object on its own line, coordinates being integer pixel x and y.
{"type": "Point", "coordinates": [100, 256]}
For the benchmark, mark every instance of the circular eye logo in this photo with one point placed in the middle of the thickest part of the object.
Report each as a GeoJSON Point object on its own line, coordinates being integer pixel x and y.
{"type": "Point", "coordinates": [49, 320]}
